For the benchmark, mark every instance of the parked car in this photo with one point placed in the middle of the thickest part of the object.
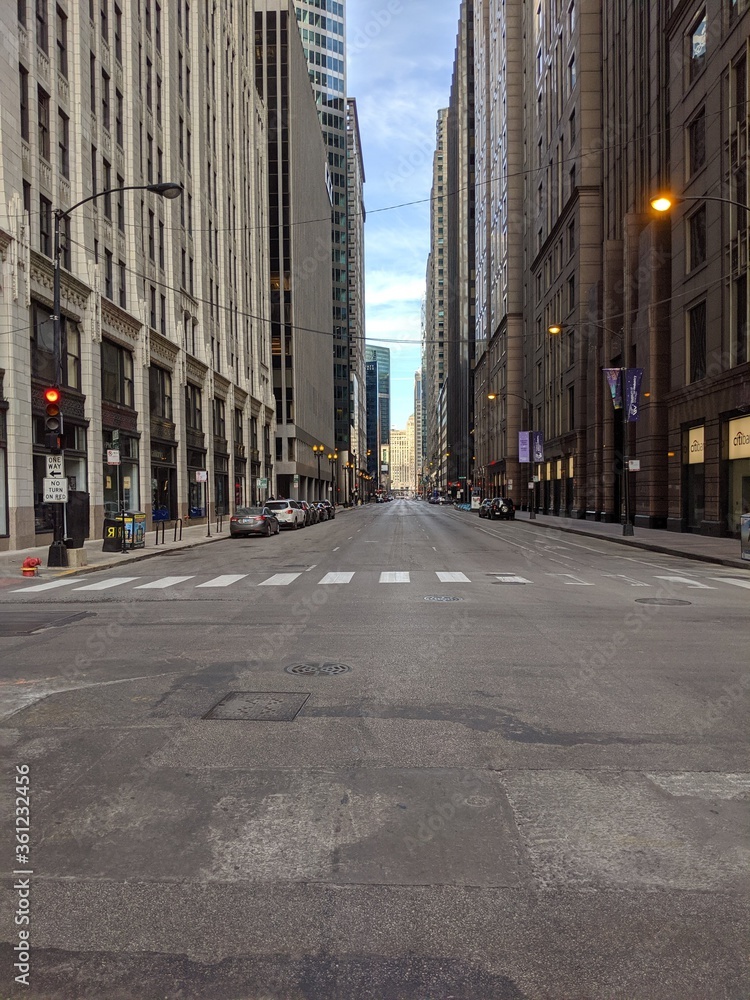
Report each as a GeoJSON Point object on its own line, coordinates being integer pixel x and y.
{"type": "Point", "coordinates": [253, 521]}
{"type": "Point", "coordinates": [310, 515]}
{"type": "Point", "coordinates": [445, 501]}
{"type": "Point", "coordinates": [330, 508]}
{"type": "Point", "coordinates": [322, 511]}
{"type": "Point", "coordinates": [484, 508]}
{"type": "Point", "coordinates": [502, 508]}
{"type": "Point", "coordinates": [288, 512]}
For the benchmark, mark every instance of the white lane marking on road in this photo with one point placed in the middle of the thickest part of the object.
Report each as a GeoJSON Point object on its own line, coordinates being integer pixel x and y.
{"type": "Point", "coordinates": [693, 584]}
{"type": "Point", "coordinates": [309, 568]}
{"type": "Point", "coordinates": [115, 581]}
{"type": "Point", "coordinates": [223, 581]}
{"type": "Point", "coordinates": [434, 549]}
{"type": "Point", "coordinates": [350, 538]}
{"type": "Point", "coordinates": [733, 580]}
{"type": "Point", "coordinates": [166, 581]}
{"type": "Point", "coordinates": [337, 578]}
{"type": "Point", "coordinates": [280, 580]}
{"type": "Point", "coordinates": [508, 578]}
{"type": "Point", "coordinates": [336, 549]}
{"type": "Point", "coordinates": [453, 578]}
{"type": "Point", "coordinates": [627, 579]}
{"type": "Point", "coordinates": [504, 538]}
{"type": "Point", "coordinates": [394, 577]}
{"type": "Point", "coordinates": [573, 581]}
{"type": "Point", "coordinates": [44, 586]}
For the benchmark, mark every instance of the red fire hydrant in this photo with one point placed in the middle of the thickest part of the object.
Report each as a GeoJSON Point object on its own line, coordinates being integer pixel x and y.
{"type": "Point", "coordinates": [31, 566]}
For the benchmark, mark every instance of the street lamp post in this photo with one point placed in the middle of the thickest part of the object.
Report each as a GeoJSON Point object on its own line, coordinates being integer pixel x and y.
{"type": "Point", "coordinates": [333, 458]}
{"type": "Point", "coordinates": [318, 450]}
{"type": "Point", "coordinates": [58, 554]}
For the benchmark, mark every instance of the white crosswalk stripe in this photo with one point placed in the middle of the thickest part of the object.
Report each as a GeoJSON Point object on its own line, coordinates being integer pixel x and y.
{"type": "Point", "coordinates": [453, 578]}
{"type": "Point", "coordinates": [628, 579]}
{"type": "Point", "coordinates": [693, 584]}
{"type": "Point", "coordinates": [223, 581]}
{"type": "Point", "coordinates": [43, 586]}
{"type": "Point", "coordinates": [394, 577]}
{"type": "Point", "coordinates": [733, 581]}
{"type": "Point", "coordinates": [115, 581]}
{"type": "Point", "coordinates": [572, 581]}
{"type": "Point", "coordinates": [280, 580]}
{"type": "Point", "coordinates": [510, 578]}
{"type": "Point", "coordinates": [336, 578]}
{"type": "Point", "coordinates": [166, 581]}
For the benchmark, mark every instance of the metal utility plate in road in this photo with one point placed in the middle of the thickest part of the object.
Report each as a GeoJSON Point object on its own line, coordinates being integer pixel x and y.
{"type": "Point", "coordinates": [25, 621]}
{"type": "Point", "coordinates": [325, 669]}
{"type": "Point", "coordinates": [258, 706]}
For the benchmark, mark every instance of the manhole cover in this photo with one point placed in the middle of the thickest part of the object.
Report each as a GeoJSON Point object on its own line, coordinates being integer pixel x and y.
{"type": "Point", "coordinates": [664, 601]}
{"type": "Point", "coordinates": [24, 621]}
{"type": "Point", "coordinates": [258, 706]}
{"type": "Point", "coordinates": [318, 669]}
{"type": "Point", "coordinates": [441, 598]}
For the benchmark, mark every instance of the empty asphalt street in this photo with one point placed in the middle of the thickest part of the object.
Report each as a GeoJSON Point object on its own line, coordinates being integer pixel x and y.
{"type": "Point", "coordinates": [407, 754]}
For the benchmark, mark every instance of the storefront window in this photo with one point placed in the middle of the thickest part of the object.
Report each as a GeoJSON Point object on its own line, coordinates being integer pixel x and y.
{"type": "Point", "coordinates": [693, 445]}
{"type": "Point", "coordinates": [739, 471]}
{"type": "Point", "coordinates": [121, 483]}
{"type": "Point", "coordinates": [4, 527]}
{"type": "Point", "coordinates": [196, 462]}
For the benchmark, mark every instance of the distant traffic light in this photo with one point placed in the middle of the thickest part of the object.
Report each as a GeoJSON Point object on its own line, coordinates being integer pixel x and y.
{"type": "Point", "coordinates": [53, 422]}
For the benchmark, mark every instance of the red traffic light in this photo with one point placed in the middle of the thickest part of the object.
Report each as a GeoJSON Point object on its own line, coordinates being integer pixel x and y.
{"type": "Point", "coordinates": [52, 395]}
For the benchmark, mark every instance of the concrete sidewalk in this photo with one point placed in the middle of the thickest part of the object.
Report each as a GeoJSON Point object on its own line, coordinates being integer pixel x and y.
{"type": "Point", "coordinates": [724, 551]}
{"type": "Point", "coordinates": [10, 562]}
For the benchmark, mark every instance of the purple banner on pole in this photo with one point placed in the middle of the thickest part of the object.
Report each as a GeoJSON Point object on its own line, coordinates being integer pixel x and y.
{"type": "Point", "coordinates": [633, 378]}
{"type": "Point", "coordinates": [524, 450]}
{"type": "Point", "coordinates": [615, 385]}
{"type": "Point", "coordinates": [538, 441]}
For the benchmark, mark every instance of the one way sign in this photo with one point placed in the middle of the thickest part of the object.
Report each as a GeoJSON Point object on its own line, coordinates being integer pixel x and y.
{"type": "Point", "coordinates": [54, 466]}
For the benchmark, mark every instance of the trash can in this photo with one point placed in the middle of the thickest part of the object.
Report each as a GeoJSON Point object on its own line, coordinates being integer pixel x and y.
{"type": "Point", "coordinates": [112, 534]}
{"type": "Point", "coordinates": [745, 536]}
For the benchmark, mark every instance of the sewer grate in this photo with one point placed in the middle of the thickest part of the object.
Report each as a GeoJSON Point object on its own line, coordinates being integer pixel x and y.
{"type": "Point", "coordinates": [663, 601]}
{"type": "Point", "coordinates": [325, 669]}
{"type": "Point", "coordinates": [24, 621]}
{"type": "Point", "coordinates": [258, 706]}
{"type": "Point", "coordinates": [441, 598]}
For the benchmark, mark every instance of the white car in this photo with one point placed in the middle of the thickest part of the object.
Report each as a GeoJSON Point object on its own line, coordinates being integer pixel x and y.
{"type": "Point", "coordinates": [288, 512]}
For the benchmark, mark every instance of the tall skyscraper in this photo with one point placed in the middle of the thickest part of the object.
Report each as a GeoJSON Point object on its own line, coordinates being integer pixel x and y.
{"type": "Point", "coordinates": [323, 30]}
{"type": "Point", "coordinates": [355, 176]}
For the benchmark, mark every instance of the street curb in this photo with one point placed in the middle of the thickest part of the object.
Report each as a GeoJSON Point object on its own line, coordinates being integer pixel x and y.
{"type": "Point", "coordinates": [637, 544]}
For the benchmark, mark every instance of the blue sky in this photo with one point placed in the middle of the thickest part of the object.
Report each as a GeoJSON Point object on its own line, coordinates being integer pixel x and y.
{"type": "Point", "coordinates": [400, 60]}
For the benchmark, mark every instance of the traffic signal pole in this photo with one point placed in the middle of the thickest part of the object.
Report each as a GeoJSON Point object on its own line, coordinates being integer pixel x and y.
{"type": "Point", "coordinates": [58, 554]}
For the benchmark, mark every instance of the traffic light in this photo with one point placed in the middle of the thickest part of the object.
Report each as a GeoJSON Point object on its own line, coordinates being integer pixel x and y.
{"type": "Point", "coordinates": [53, 422]}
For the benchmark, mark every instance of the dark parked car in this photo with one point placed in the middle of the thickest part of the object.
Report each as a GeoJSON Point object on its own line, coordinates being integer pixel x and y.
{"type": "Point", "coordinates": [330, 508]}
{"type": "Point", "coordinates": [502, 508]}
{"type": "Point", "coordinates": [253, 521]}
{"type": "Point", "coordinates": [484, 508]}
{"type": "Point", "coordinates": [311, 515]}
{"type": "Point", "coordinates": [322, 511]}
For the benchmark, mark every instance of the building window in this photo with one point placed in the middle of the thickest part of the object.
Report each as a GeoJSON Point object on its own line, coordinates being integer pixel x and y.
{"type": "Point", "coordinates": [697, 238]}
{"type": "Point", "coordinates": [92, 81]}
{"type": "Point", "coordinates": [697, 44]}
{"type": "Point", "coordinates": [122, 287]}
{"type": "Point", "coordinates": [571, 407]}
{"type": "Point", "coordinates": [108, 275]}
{"type": "Point", "coordinates": [119, 128]}
{"type": "Point", "coordinates": [149, 93]}
{"type": "Point", "coordinates": [572, 74]}
{"type": "Point", "coordinates": [107, 187]}
{"type": "Point", "coordinates": [94, 185]}
{"type": "Point", "coordinates": [42, 32]}
{"type": "Point", "coordinates": [163, 315]}
{"type": "Point", "coordinates": [161, 245]}
{"type": "Point", "coordinates": [151, 253]}
{"type": "Point", "coordinates": [193, 407]}
{"type": "Point", "coordinates": [697, 342]}
{"type": "Point", "coordinates": [117, 374]}
{"type": "Point", "coordinates": [45, 226]}
{"type": "Point", "coordinates": [742, 344]}
{"type": "Point", "coordinates": [62, 43]}
{"type": "Point", "coordinates": [63, 143]}
{"type": "Point", "coordinates": [219, 418]}
{"type": "Point", "coordinates": [120, 201]}
{"type": "Point", "coordinates": [43, 348]}
{"type": "Point", "coordinates": [571, 292]}
{"type": "Point", "coordinates": [104, 18]}
{"type": "Point", "coordinates": [572, 129]}
{"type": "Point", "coordinates": [105, 101]}
{"type": "Point", "coordinates": [118, 34]}
{"type": "Point", "coordinates": [158, 99]}
{"type": "Point", "coordinates": [152, 309]}
{"type": "Point", "coordinates": [24, 88]}
{"type": "Point", "coordinates": [43, 99]}
{"type": "Point", "coordinates": [697, 142]}
{"type": "Point", "coordinates": [160, 392]}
